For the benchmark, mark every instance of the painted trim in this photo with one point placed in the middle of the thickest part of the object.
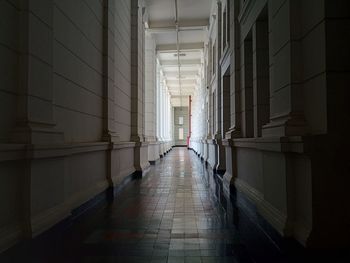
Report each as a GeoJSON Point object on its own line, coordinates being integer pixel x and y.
{"type": "Point", "coordinates": [278, 144]}
{"type": "Point", "coordinates": [15, 233]}
{"type": "Point", "coordinates": [275, 217]}
{"type": "Point", "coordinates": [12, 152]}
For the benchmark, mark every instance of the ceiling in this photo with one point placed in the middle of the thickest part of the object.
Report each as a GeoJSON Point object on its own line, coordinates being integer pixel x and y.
{"type": "Point", "coordinates": [193, 19]}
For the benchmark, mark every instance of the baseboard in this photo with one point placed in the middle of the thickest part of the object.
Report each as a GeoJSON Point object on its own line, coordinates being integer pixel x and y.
{"type": "Point", "coordinates": [272, 215]}
{"type": "Point", "coordinates": [76, 214]}
{"type": "Point", "coordinates": [251, 204]}
{"type": "Point", "coordinates": [9, 236]}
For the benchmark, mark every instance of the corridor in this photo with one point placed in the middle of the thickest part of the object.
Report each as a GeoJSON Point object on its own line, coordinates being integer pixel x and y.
{"type": "Point", "coordinates": [174, 131]}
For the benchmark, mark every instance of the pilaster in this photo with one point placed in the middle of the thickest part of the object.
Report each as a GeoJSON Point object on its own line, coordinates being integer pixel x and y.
{"type": "Point", "coordinates": [109, 130]}
{"type": "Point", "coordinates": [287, 118]}
{"type": "Point", "coordinates": [35, 122]}
{"type": "Point", "coordinates": [219, 134]}
{"type": "Point", "coordinates": [235, 102]}
{"type": "Point", "coordinates": [137, 86]}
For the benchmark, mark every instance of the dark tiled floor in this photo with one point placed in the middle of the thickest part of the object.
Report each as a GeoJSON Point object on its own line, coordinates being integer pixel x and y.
{"type": "Point", "coordinates": [173, 214]}
{"type": "Point", "coordinates": [168, 216]}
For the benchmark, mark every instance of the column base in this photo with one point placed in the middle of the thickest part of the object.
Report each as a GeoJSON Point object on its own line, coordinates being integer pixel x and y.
{"type": "Point", "coordinates": [286, 125]}
{"type": "Point", "coordinates": [141, 158]}
{"type": "Point", "coordinates": [228, 178]}
{"type": "Point", "coordinates": [110, 137]}
{"type": "Point", "coordinates": [220, 156]}
{"type": "Point", "coordinates": [37, 134]}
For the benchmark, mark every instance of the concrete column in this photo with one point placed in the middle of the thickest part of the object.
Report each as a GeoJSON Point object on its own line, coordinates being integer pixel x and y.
{"type": "Point", "coordinates": [35, 121]}
{"type": "Point", "coordinates": [235, 100]}
{"type": "Point", "coordinates": [210, 112]}
{"type": "Point", "coordinates": [247, 89]}
{"type": "Point", "coordinates": [109, 129]}
{"type": "Point", "coordinates": [219, 134]}
{"type": "Point", "coordinates": [137, 43]}
{"type": "Point", "coordinates": [109, 133]}
{"type": "Point", "coordinates": [35, 125]}
{"type": "Point", "coordinates": [164, 113]}
{"type": "Point", "coordinates": [161, 113]}
{"type": "Point", "coordinates": [158, 103]}
{"type": "Point", "coordinates": [151, 104]}
{"type": "Point", "coordinates": [137, 86]}
{"type": "Point", "coordinates": [261, 73]}
{"type": "Point", "coordinates": [286, 118]}
{"type": "Point", "coordinates": [150, 88]}
{"type": "Point", "coordinates": [167, 117]}
{"type": "Point", "coordinates": [235, 81]}
{"type": "Point", "coordinates": [328, 61]}
{"type": "Point", "coordinates": [161, 116]}
{"type": "Point", "coordinates": [218, 131]}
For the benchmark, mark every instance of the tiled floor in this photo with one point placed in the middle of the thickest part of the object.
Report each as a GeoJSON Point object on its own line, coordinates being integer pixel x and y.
{"type": "Point", "coordinates": [169, 215]}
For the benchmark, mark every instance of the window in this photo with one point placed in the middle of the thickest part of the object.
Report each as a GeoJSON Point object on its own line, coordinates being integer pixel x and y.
{"type": "Point", "coordinates": [181, 133]}
{"type": "Point", "coordinates": [181, 120]}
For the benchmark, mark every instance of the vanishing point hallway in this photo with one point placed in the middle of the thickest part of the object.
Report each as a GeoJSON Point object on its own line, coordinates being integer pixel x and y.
{"type": "Point", "coordinates": [235, 112]}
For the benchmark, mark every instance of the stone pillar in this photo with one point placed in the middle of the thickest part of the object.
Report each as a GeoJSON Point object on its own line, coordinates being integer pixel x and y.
{"type": "Point", "coordinates": [329, 151]}
{"type": "Point", "coordinates": [162, 116]}
{"type": "Point", "coordinates": [35, 120]}
{"type": "Point", "coordinates": [287, 118]}
{"type": "Point", "coordinates": [247, 88]}
{"type": "Point", "coordinates": [109, 129]}
{"type": "Point", "coordinates": [151, 97]}
{"type": "Point", "coordinates": [167, 117]}
{"type": "Point", "coordinates": [219, 134]}
{"type": "Point", "coordinates": [261, 83]}
{"type": "Point", "coordinates": [150, 88]}
{"type": "Point", "coordinates": [137, 86]}
{"type": "Point", "coordinates": [235, 103]}
{"type": "Point", "coordinates": [35, 124]}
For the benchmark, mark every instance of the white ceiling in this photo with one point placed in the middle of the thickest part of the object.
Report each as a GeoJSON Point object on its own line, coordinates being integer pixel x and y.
{"type": "Point", "coordinates": [163, 11]}
{"type": "Point", "coordinates": [193, 19]}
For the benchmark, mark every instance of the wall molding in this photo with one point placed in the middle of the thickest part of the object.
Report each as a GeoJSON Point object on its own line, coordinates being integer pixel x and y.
{"type": "Point", "coordinates": [12, 152]}
{"type": "Point", "coordinates": [275, 217]}
{"type": "Point", "coordinates": [294, 144]}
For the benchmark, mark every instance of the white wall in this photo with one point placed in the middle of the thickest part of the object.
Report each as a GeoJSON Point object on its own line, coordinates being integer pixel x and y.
{"type": "Point", "coordinates": [122, 40]}
{"type": "Point", "coordinates": [150, 88]}
{"type": "Point", "coordinates": [77, 80]}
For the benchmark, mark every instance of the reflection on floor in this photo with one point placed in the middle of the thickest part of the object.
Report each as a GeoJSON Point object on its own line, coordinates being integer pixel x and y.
{"type": "Point", "coordinates": [175, 213]}
{"type": "Point", "coordinates": [168, 216]}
